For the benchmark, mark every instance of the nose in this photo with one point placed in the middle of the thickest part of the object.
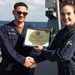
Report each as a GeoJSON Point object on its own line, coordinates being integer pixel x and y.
{"type": "Point", "coordinates": [65, 16]}
{"type": "Point", "coordinates": [21, 14]}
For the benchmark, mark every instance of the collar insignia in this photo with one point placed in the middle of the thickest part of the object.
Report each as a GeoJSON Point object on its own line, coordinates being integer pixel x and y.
{"type": "Point", "coordinates": [69, 42]}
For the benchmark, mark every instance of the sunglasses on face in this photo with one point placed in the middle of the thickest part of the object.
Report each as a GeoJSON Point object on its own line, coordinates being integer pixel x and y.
{"type": "Point", "coordinates": [19, 13]}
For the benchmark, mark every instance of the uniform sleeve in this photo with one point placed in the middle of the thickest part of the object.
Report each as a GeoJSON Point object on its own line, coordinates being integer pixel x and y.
{"type": "Point", "coordinates": [8, 49]}
{"type": "Point", "coordinates": [63, 54]}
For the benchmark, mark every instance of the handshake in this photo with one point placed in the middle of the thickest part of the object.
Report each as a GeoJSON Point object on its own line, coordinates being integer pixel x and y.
{"type": "Point", "coordinates": [29, 61]}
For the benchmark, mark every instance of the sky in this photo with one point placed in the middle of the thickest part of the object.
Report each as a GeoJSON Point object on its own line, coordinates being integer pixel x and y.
{"type": "Point", "coordinates": [36, 10]}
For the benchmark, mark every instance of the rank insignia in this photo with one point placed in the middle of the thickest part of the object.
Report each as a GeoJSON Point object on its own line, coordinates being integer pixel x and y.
{"type": "Point", "coordinates": [69, 42]}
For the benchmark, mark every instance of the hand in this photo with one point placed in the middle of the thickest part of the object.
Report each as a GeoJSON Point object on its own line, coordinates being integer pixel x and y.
{"type": "Point", "coordinates": [38, 48]}
{"type": "Point", "coordinates": [29, 61]}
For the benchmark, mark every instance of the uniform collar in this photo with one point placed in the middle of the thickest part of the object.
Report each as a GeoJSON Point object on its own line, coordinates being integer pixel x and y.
{"type": "Point", "coordinates": [72, 29]}
{"type": "Point", "coordinates": [12, 24]}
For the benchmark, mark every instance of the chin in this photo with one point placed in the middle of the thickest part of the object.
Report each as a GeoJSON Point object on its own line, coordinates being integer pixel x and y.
{"type": "Point", "coordinates": [67, 24]}
{"type": "Point", "coordinates": [21, 21]}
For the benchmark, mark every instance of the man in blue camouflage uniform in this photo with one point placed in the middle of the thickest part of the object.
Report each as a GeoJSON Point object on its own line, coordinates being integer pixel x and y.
{"type": "Point", "coordinates": [15, 56]}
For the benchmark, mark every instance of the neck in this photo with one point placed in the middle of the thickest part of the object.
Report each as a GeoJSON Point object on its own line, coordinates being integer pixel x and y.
{"type": "Point", "coordinates": [68, 27]}
{"type": "Point", "coordinates": [17, 24]}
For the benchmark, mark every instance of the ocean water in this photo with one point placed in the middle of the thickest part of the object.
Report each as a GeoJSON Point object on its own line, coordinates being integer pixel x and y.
{"type": "Point", "coordinates": [36, 25]}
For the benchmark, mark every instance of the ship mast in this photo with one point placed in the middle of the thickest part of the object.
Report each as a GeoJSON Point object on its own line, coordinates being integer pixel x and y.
{"type": "Point", "coordinates": [58, 14]}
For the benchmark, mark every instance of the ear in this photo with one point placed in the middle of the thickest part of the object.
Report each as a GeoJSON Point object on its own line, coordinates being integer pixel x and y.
{"type": "Point", "coordinates": [13, 12]}
{"type": "Point", "coordinates": [74, 15]}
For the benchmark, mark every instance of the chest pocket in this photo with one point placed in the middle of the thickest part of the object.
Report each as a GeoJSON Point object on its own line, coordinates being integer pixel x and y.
{"type": "Point", "coordinates": [62, 45]}
{"type": "Point", "coordinates": [13, 39]}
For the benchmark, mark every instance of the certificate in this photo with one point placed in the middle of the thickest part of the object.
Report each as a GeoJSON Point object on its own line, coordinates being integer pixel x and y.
{"type": "Point", "coordinates": [36, 37]}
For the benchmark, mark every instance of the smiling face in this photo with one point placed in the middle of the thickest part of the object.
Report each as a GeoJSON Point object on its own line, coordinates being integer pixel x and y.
{"type": "Point", "coordinates": [68, 15]}
{"type": "Point", "coordinates": [20, 14]}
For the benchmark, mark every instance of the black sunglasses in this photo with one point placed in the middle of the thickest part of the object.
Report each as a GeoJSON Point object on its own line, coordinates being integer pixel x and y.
{"type": "Point", "coordinates": [19, 13]}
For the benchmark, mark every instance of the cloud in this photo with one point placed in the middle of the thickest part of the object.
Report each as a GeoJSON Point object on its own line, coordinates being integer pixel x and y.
{"type": "Point", "coordinates": [40, 2]}
{"type": "Point", "coordinates": [35, 7]}
{"type": "Point", "coordinates": [37, 3]}
{"type": "Point", "coordinates": [32, 4]}
{"type": "Point", "coordinates": [6, 4]}
{"type": "Point", "coordinates": [2, 4]}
